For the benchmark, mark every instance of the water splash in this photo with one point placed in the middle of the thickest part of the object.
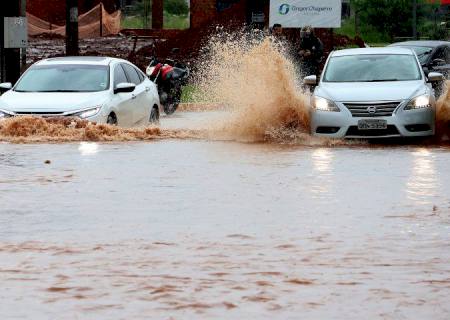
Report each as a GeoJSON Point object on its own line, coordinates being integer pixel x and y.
{"type": "Point", "coordinates": [443, 115]}
{"type": "Point", "coordinates": [252, 76]}
{"type": "Point", "coordinates": [34, 130]}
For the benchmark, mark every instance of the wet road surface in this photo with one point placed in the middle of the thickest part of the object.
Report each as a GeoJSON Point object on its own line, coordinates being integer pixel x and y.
{"type": "Point", "coordinates": [191, 229]}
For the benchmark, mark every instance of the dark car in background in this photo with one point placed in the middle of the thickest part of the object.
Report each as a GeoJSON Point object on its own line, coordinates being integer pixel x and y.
{"type": "Point", "coordinates": [434, 55]}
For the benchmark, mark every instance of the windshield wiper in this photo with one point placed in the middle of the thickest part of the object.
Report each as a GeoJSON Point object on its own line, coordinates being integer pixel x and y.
{"type": "Point", "coordinates": [382, 80]}
{"type": "Point", "coordinates": [60, 91]}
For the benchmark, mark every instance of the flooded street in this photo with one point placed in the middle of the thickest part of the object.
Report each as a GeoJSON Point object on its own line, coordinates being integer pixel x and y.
{"type": "Point", "coordinates": [183, 229]}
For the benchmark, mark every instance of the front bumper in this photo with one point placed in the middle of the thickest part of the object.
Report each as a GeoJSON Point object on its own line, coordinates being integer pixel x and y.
{"type": "Point", "coordinates": [98, 118]}
{"type": "Point", "coordinates": [402, 123]}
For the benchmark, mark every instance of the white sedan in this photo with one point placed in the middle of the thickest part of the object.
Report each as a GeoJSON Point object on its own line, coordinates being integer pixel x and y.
{"type": "Point", "coordinates": [98, 89]}
{"type": "Point", "coordinates": [373, 93]}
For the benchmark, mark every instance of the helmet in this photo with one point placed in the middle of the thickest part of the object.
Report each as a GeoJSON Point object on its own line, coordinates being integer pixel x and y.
{"type": "Point", "coordinates": [306, 32]}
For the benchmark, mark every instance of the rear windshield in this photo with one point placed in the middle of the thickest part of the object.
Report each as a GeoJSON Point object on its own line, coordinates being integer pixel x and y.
{"type": "Point", "coordinates": [64, 78]}
{"type": "Point", "coordinates": [372, 68]}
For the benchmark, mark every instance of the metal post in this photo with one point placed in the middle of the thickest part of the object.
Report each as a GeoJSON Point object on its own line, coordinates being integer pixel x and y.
{"type": "Point", "coordinates": [414, 26]}
{"type": "Point", "coordinates": [2, 50]}
{"type": "Point", "coordinates": [357, 11]}
{"type": "Point", "coordinates": [157, 14]}
{"type": "Point", "coordinates": [23, 13]}
{"type": "Point", "coordinates": [72, 28]}
{"type": "Point", "coordinates": [101, 19]}
{"type": "Point", "coordinates": [9, 58]}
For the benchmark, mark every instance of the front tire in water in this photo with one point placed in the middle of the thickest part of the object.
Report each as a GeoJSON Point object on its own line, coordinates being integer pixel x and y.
{"type": "Point", "coordinates": [170, 108]}
{"type": "Point", "coordinates": [112, 119]}
{"type": "Point", "coordinates": [154, 115]}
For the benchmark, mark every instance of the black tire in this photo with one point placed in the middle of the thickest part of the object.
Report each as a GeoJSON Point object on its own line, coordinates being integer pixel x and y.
{"type": "Point", "coordinates": [170, 108]}
{"type": "Point", "coordinates": [173, 100]}
{"type": "Point", "coordinates": [154, 115]}
{"type": "Point", "coordinates": [112, 119]}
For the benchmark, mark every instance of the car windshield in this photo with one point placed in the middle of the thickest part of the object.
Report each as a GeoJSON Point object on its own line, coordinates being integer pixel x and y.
{"type": "Point", "coordinates": [372, 68]}
{"type": "Point", "coordinates": [64, 78]}
{"type": "Point", "coordinates": [423, 53]}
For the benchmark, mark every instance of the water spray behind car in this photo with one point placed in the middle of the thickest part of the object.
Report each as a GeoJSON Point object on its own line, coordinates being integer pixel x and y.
{"type": "Point", "coordinates": [251, 75]}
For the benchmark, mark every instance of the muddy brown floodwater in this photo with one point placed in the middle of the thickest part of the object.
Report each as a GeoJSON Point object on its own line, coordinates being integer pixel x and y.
{"type": "Point", "coordinates": [200, 229]}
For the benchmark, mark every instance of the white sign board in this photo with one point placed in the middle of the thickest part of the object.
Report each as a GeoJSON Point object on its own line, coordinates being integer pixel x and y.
{"type": "Point", "coordinates": [300, 13]}
{"type": "Point", "coordinates": [15, 32]}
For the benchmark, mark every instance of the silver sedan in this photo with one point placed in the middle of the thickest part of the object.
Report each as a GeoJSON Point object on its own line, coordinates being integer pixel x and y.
{"type": "Point", "coordinates": [98, 89]}
{"type": "Point", "coordinates": [373, 93]}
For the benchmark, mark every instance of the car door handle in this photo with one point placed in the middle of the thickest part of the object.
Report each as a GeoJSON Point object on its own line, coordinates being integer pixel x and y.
{"type": "Point", "coordinates": [133, 96]}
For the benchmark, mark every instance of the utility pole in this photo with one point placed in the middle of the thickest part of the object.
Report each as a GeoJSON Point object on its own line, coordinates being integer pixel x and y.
{"type": "Point", "coordinates": [9, 54]}
{"type": "Point", "coordinates": [157, 14]}
{"type": "Point", "coordinates": [23, 13]}
{"type": "Point", "coordinates": [414, 26]}
{"type": "Point", "coordinates": [72, 28]}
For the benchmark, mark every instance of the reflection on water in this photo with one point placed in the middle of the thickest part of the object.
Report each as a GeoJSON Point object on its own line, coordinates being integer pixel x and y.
{"type": "Point", "coordinates": [322, 160]}
{"type": "Point", "coordinates": [88, 148]}
{"type": "Point", "coordinates": [213, 230]}
{"type": "Point", "coordinates": [422, 185]}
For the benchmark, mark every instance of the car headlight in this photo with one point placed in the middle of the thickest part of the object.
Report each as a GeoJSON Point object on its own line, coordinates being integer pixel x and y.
{"type": "Point", "coordinates": [5, 114]}
{"type": "Point", "coordinates": [420, 102]}
{"type": "Point", "coordinates": [87, 113]}
{"type": "Point", "coordinates": [323, 104]}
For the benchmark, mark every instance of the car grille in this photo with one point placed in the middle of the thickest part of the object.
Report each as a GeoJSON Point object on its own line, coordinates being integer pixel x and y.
{"type": "Point", "coordinates": [377, 109]}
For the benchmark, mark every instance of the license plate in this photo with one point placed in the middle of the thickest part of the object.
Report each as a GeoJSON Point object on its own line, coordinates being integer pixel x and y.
{"type": "Point", "coordinates": [372, 124]}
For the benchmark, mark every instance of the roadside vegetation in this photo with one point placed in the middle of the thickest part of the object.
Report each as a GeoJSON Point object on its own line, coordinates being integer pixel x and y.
{"type": "Point", "coordinates": [191, 94]}
{"type": "Point", "coordinates": [139, 16]}
{"type": "Point", "coordinates": [368, 21]}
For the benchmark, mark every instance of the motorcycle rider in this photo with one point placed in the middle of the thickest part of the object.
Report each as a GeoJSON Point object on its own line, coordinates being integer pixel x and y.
{"type": "Point", "coordinates": [277, 33]}
{"type": "Point", "coordinates": [310, 51]}
{"type": "Point", "coordinates": [277, 30]}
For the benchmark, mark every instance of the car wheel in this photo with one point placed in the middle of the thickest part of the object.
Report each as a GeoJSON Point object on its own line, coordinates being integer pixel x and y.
{"type": "Point", "coordinates": [112, 119]}
{"type": "Point", "coordinates": [170, 108]}
{"type": "Point", "coordinates": [154, 115]}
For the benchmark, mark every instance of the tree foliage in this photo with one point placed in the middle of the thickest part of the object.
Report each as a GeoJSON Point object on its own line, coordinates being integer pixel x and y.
{"type": "Point", "coordinates": [392, 18]}
{"type": "Point", "coordinates": [177, 7]}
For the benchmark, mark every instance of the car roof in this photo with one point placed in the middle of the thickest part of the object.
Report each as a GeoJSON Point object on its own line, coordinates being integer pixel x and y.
{"type": "Point", "coordinates": [85, 60]}
{"type": "Point", "coordinates": [421, 43]}
{"type": "Point", "coordinates": [380, 50]}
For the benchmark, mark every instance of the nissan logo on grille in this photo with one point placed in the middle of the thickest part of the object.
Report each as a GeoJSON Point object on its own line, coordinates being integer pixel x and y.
{"type": "Point", "coordinates": [372, 109]}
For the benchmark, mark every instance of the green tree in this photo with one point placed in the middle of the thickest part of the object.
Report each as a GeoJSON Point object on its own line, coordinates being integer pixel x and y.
{"type": "Point", "coordinates": [177, 7]}
{"type": "Point", "coordinates": [390, 18]}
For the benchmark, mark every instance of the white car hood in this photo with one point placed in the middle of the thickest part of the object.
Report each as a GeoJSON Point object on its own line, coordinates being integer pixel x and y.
{"type": "Point", "coordinates": [370, 91]}
{"type": "Point", "coordinates": [50, 101]}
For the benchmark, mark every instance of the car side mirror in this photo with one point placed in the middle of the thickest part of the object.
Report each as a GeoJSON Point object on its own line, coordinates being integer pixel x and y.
{"type": "Point", "coordinates": [310, 80]}
{"type": "Point", "coordinates": [438, 62]}
{"type": "Point", "coordinates": [124, 87]}
{"type": "Point", "coordinates": [6, 86]}
{"type": "Point", "coordinates": [435, 77]}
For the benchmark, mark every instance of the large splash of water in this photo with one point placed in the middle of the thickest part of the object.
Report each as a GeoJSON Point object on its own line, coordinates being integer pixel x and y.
{"type": "Point", "coordinates": [443, 115]}
{"type": "Point", "coordinates": [253, 78]}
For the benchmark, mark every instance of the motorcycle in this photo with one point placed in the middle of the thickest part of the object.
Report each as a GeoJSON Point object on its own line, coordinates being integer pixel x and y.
{"type": "Point", "coordinates": [169, 78]}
